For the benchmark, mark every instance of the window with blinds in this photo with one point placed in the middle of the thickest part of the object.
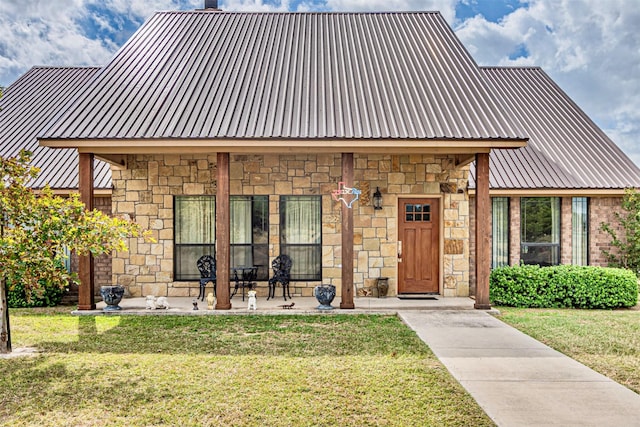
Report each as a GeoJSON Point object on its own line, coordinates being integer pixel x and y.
{"type": "Point", "coordinates": [579, 231]}
{"type": "Point", "coordinates": [499, 231]}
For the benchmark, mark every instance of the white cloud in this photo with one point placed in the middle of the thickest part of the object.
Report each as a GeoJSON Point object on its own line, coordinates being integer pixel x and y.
{"type": "Point", "coordinates": [42, 34]}
{"type": "Point", "coordinates": [255, 6]}
{"type": "Point", "coordinates": [52, 32]}
{"type": "Point", "coordinates": [589, 47]}
{"type": "Point", "coordinates": [145, 8]}
{"type": "Point", "coordinates": [445, 7]}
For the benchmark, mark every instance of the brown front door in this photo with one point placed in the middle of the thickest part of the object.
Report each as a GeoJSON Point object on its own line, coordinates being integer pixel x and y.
{"type": "Point", "coordinates": [418, 246]}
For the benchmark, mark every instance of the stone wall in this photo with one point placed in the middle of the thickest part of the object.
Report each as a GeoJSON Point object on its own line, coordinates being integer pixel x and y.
{"type": "Point", "coordinates": [145, 189]}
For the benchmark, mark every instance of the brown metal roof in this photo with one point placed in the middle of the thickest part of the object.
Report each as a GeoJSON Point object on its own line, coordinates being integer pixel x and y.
{"type": "Point", "coordinates": [298, 76]}
{"type": "Point", "coordinates": [27, 106]}
{"type": "Point", "coordinates": [565, 150]}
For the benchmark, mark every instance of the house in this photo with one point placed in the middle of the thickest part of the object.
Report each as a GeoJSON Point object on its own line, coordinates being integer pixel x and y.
{"type": "Point", "coordinates": [228, 133]}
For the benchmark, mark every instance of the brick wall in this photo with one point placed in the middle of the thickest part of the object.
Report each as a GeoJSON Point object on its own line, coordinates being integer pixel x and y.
{"type": "Point", "coordinates": [102, 264]}
{"type": "Point", "coordinates": [601, 209]}
{"type": "Point", "coordinates": [145, 191]}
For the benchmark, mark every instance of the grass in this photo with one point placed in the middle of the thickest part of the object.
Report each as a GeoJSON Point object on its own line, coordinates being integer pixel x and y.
{"type": "Point", "coordinates": [608, 341]}
{"type": "Point", "coordinates": [334, 370]}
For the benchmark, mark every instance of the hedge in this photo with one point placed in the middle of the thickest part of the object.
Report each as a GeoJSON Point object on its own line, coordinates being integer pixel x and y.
{"type": "Point", "coordinates": [563, 286]}
{"type": "Point", "coordinates": [46, 296]}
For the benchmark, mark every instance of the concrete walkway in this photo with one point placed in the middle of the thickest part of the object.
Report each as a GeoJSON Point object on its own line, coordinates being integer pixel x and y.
{"type": "Point", "coordinates": [517, 380]}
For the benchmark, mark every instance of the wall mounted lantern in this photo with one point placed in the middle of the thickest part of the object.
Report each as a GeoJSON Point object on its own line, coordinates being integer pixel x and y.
{"type": "Point", "coordinates": [377, 199]}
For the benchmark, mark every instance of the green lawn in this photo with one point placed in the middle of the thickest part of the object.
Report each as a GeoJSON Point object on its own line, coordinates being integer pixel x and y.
{"type": "Point", "coordinates": [606, 341]}
{"type": "Point", "coordinates": [331, 370]}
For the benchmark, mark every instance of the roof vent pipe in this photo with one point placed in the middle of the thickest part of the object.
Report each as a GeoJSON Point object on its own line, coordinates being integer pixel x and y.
{"type": "Point", "coordinates": [210, 4]}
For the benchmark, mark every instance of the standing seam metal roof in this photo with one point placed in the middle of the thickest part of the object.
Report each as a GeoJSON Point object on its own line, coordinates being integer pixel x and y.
{"type": "Point", "coordinates": [565, 150]}
{"type": "Point", "coordinates": [31, 102]}
{"type": "Point", "coordinates": [207, 75]}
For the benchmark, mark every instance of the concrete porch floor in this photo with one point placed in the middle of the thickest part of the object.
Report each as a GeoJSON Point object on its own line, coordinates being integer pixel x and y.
{"type": "Point", "coordinates": [303, 305]}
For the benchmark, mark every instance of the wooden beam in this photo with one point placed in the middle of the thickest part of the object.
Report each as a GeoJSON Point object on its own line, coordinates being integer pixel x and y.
{"type": "Point", "coordinates": [464, 159]}
{"type": "Point", "coordinates": [555, 192]}
{"type": "Point", "coordinates": [118, 161]}
{"type": "Point", "coordinates": [223, 234]}
{"type": "Point", "coordinates": [305, 145]}
{"type": "Point", "coordinates": [483, 232]}
{"type": "Point", "coordinates": [347, 237]}
{"type": "Point", "coordinates": [86, 298]}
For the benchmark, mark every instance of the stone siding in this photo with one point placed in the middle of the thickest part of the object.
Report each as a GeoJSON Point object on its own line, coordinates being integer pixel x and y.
{"type": "Point", "coordinates": [144, 191]}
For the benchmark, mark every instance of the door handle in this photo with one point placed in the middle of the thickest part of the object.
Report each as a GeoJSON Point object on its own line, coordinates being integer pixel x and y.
{"type": "Point", "coordinates": [399, 251]}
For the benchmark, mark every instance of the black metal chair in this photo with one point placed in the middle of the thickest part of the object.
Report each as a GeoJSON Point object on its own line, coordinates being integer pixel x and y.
{"type": "Point", "coordinates": [281, 274]}
{"type": "Point", "coordinates": [207, 267]}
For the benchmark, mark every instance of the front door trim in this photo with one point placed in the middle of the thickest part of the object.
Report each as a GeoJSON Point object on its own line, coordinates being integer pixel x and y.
{"type": "Point", "coordinates": [420, 259]}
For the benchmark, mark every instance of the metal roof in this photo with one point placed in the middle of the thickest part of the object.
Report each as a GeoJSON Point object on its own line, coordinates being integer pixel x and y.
{"type": "Point", "coordinates": [218, 75]}
{"type": "Point", "coordinates": [27, 106]}
{"type": "Point", "coordinates": [565, 150]}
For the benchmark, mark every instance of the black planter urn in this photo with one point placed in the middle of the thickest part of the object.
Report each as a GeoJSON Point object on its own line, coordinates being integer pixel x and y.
{"type": "Point", "coordinates": [325, 295]}
{"type": "Point", "coordinates": [112, 295]}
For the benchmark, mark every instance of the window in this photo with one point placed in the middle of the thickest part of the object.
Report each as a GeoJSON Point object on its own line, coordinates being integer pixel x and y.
{"type": "Point", "coordinates": [540, 230]}
{"type": "Point", "coordinates": [499, 231]}
{"type": "Point", "coordinates": [579, 231]}
{"type": "Point", "coordinates": [195, 233]}
{"type": "Point", "coordinates": [417, 213]}
{"type": "Point", "coordinates": [67, 259]}
{"type": "Point", "coordinates": [301, 235]}
{"type": "Point", "coordinates": [250, 233]}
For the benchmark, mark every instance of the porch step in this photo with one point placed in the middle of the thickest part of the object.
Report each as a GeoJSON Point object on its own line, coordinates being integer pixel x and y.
{"type": "Point", "coordinates": [69, 298]}
{"type": "Point", "coordinates": [418, 296]}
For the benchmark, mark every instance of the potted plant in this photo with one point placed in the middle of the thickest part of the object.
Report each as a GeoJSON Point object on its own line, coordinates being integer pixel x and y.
{"type": "Point", "coordinates": [112, 295]}
{"type": "Point", "coordinates": [325, 295]}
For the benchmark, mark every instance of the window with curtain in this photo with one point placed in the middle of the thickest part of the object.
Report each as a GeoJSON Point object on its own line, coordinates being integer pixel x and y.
{"type": "Point", "coordinates": [250, 233]}
{"type": "Point", "coordinates": [540, 230]}
{"type": "Point", "coordinates": [579, 231]}
{"type": "Point", "coordinates": [499, 231]}
{"type": "Point", "coordinates": [195, 233]}
{"type": "Point", "coordinates": [301, 235]}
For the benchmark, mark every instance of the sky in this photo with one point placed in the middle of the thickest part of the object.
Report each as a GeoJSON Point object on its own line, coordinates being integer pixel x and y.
{"type": "Point", "coordinates": [591, 48]}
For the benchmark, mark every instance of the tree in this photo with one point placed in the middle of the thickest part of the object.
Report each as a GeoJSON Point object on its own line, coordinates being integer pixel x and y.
{"type": "Point", "coordinates": [37, 227]}
{"type": "Point", "coordinates": [627, 241]}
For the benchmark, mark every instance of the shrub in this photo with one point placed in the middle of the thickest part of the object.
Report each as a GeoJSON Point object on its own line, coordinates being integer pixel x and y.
{"type": "Point", "coordinates": [46, 295]}
{"type": "Point", "coordinates": [563, 286]}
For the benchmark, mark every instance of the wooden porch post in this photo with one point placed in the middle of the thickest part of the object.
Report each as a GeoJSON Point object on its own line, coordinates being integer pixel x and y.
{"type": "Point", "coordinates": [223, 234]}
{"type": "Point", "coordinates": [86, 298]}
{"type": "Point", "coordinates": [347, 237]}
{"type": "Point", "coordinates": [483, 232]}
